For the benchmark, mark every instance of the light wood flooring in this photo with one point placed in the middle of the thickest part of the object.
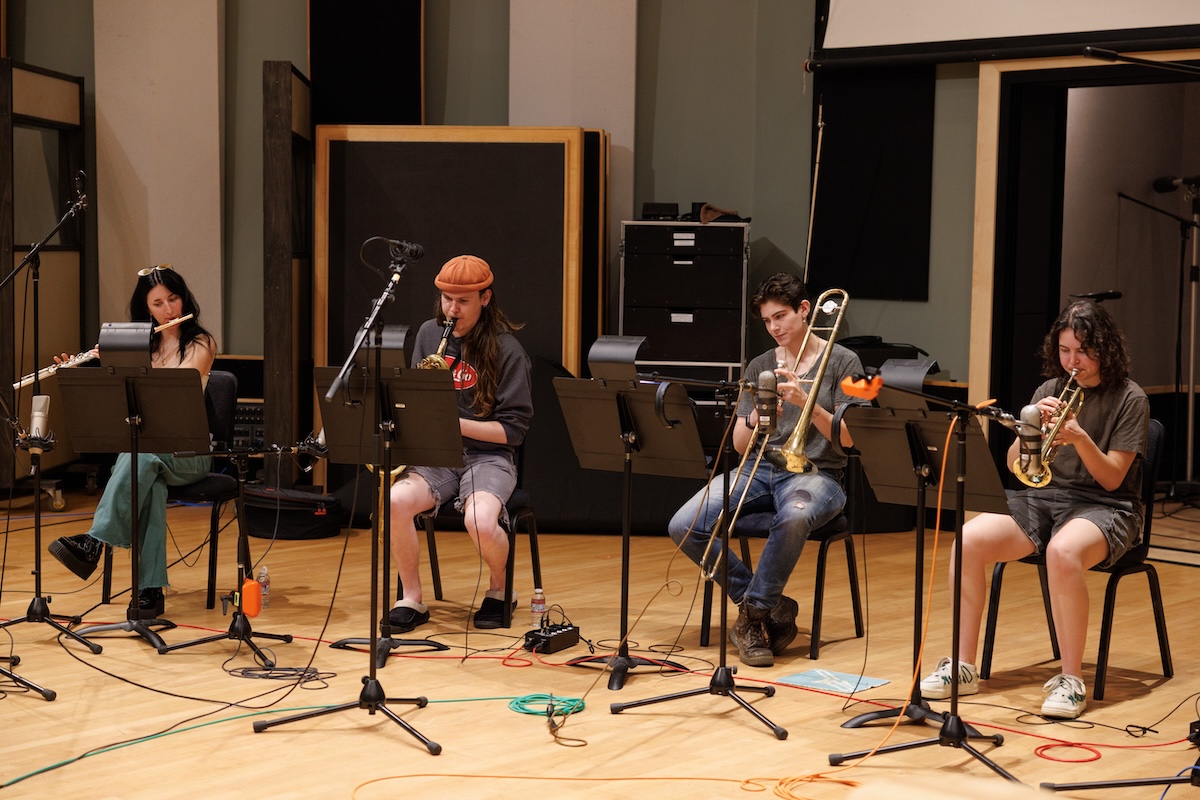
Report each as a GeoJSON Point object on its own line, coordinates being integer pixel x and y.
{"type": "Point", "coordinates": [133, 723]}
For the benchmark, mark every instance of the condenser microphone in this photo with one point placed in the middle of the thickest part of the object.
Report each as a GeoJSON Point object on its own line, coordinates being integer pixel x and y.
{"type": "Point", "coordinates": [1171, 183]}
{"type": "Point", "coordinates": [768, 400]}
{"type": "Point", "coordinates": [402, 250]}
{"type": "Point", "coordinates": [1030, 435]}
{"type": "Point", "coordinates": [39, 423]}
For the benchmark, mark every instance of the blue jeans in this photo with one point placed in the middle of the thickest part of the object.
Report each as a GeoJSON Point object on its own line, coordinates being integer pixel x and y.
{"type": "Point", "coordinates": [802, 503]}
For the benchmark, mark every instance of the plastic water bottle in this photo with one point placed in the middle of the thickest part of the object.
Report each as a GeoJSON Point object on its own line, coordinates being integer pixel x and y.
{"type": "Point", "coordinates": [264, 580]}
{"type": "Point", "coordinates": [537, 609]}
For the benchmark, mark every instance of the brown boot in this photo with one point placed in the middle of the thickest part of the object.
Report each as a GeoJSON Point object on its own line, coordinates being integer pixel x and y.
{"type": "Point", "coordinates": [749, 635]}
{"type": "Point", "coordinates": [781, 624]}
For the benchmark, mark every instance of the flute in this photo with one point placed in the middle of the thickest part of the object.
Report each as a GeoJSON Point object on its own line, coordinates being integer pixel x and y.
{"type": "Point", "coordinates": [43, 374]}
{"type": "Point", "coordinates": [173, 323]}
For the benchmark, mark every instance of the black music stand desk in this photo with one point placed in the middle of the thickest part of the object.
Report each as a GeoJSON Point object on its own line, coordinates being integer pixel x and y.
{"type": "Point", "coordinates": [630, 426]}
{"type": "Point", "coordinates": [902, 448]}
{"type": "Point", "coordinates": [134, 409]}
{"type": "Point", "coordinates": [418, 408]}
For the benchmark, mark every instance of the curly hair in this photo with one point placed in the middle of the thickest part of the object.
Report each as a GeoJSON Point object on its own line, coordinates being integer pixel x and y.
{"type": "Point", "coordinates": [1098, 333]}
{"type": "Point", "coordinates": [782, 287]}
{"type": "Point", "coordinates": [190, 330]}
{"type": "Point", "coordinates": [481, 347]}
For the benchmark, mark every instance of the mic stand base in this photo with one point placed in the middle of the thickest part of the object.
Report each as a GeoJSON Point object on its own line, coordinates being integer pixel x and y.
{"type": "Point", "coordinates": [373, 699]}
{"type": "Point", "coordinates": [132, 624]}
{"type": "Point", "coordinates": [620, 663]}
{"type": "Point", "coordinates": [17, 679]}
{"type": "Point", "coordinates": [954, 733]}
{"type": "Point", "coordinates": [916, 710]}
{"type": "Point", "coordinates": [722, 683]}
{"type": "Point", "coordinates": [39, 611]}
{"type": "Point", "coordinates": [386, 644]}
{"type": "Point", "coordinates": [239, 631]}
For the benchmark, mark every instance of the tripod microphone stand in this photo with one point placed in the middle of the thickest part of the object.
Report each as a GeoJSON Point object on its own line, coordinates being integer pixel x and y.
{"type": "Point", "coordinates": [239, 627]}
{"type": "Point", "coordinates": [955, 732]}
{"type": "Point", "coordinates": [38, 442]}
{"type": "Point", "coordinates": [722, 682]}
{"type": "Point", "coordinates": [424, 417]}
{"type": "Point", "coordinates": [1186, 232]}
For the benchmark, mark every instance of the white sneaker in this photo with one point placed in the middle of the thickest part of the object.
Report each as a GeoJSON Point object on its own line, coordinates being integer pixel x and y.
{"type": "Point", "coordinates": [1067, 697]}
{"type": "Point", "coordinates": [936, 685]}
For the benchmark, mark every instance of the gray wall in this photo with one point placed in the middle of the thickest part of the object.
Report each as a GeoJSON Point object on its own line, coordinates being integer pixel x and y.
{"type": "Point", "coordinates": [723, 116]}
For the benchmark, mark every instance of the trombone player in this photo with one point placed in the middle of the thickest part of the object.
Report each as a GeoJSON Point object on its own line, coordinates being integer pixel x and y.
{"type": "Point", "coordinates": [1085, 510]}
{"type": "Point", "coordinates": [801, 502]}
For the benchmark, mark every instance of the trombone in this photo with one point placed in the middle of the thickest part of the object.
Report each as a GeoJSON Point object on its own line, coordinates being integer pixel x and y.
{"type": "Point", "coordinates": [790, 456]}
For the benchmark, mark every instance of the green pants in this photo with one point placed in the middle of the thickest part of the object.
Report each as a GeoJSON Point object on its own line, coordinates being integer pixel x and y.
{"type": "Point", "coordinates": [113, 521]}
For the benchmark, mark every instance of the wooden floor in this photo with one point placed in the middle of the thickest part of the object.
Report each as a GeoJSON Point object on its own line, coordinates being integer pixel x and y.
{"type": "Point", "coordinates": [133, 723]}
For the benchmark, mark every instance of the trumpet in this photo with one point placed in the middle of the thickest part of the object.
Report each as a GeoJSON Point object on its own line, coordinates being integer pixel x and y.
{"type": "Point", "coordinates": [1033, 468]}
{"type": "Point", "coordinates": [46, 372]}
{"type": "Point", "coordinates": [437, 359]}
{"type": "Point", "coordinates": [791, 456]}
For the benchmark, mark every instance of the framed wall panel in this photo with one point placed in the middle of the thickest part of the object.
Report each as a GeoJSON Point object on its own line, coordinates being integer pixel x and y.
{"type": "Point", "coordinates": [509, 195]}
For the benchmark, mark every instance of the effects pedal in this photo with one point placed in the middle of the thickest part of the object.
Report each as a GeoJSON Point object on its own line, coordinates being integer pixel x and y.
{"type": "Point", "coordinates": [552, 638]}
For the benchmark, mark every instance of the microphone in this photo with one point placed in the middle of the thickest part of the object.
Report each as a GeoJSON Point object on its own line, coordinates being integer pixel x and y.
{"type": "Point", "coordinates": [1000, 415]}
{"type": "Point", "coordinates": [767, 400]}
{"type": "Point", "coordinates": [1099, 297]}
{"type": "Point", "coordinates": [1030, 436]}
{"type": "Point", "coordinates": [39, 425]}
{"type": "Point", "coordinates": [1170, 184]}
{"type": "Point", "coordinates": [313, 447]}
{"type": "Point", "coordinates": [406, 251]}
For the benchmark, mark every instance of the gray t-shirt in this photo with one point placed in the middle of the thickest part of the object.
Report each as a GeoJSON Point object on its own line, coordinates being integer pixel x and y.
{"type": "Point", "coordinates": [1117, 418]}
{"type": "Point", "coordinates": [819, 450]}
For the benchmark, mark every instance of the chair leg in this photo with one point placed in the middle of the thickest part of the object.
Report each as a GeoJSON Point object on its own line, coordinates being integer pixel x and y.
{"type": "Point", "coordinates": [706, 614]}
{"type": "Point", "coordinates": [1110, 603]}
{"type": "Point", "coordinates": [1106, 620]}
{"type": "Point", "coordinates": [1160, 621]}
{"type": "Point", "coordinates": [1044, 578]}
{"type": "Point", "coordinates": [506, 615]}
{"type": "Point", "coordinates": [535, 554]}
{"type": "Point", "coordinates": [214, 529]}
{"type": "Point", "coordinates": [855, 589]}
{"type": "Point", "coordinates": [106, 583]}
{"type": "Point", "coordinates": [814, 645]}
{"type": "Point", "coordinates": [989, 631]}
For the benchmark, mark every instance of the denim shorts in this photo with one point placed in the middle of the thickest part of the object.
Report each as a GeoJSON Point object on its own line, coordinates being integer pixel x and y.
{"type": "Point", "coordinates": [494, 473]}
{"type": "Point", "coordinates": [1041, 512]}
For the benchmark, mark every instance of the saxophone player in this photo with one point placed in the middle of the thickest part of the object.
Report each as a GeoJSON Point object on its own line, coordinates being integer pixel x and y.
{"type": "Point", "coordinates": [1092, 513]}
{"type": "Point", "coordinates": [766, 621]}
{"type": "Point", "coordinates": [492, 380]}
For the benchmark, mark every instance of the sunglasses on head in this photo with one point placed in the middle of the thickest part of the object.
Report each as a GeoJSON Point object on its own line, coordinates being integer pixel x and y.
{"type": "Point", "coordinates": [142, 273]}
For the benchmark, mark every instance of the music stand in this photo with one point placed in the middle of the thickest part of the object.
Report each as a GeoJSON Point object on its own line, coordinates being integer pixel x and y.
{"type": "Point", "coordinates": [240, 629]}
{"type": "Point", "coordinates": [418, 408]}
{"type": "Point", "coordinates": [436, 438]}
{"type": "Point", "coordinates": [126, 406]}
{"type": "Point", "coordinates": [620, 424]}
{"type": "Point", "coordinates": [924, 432]}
